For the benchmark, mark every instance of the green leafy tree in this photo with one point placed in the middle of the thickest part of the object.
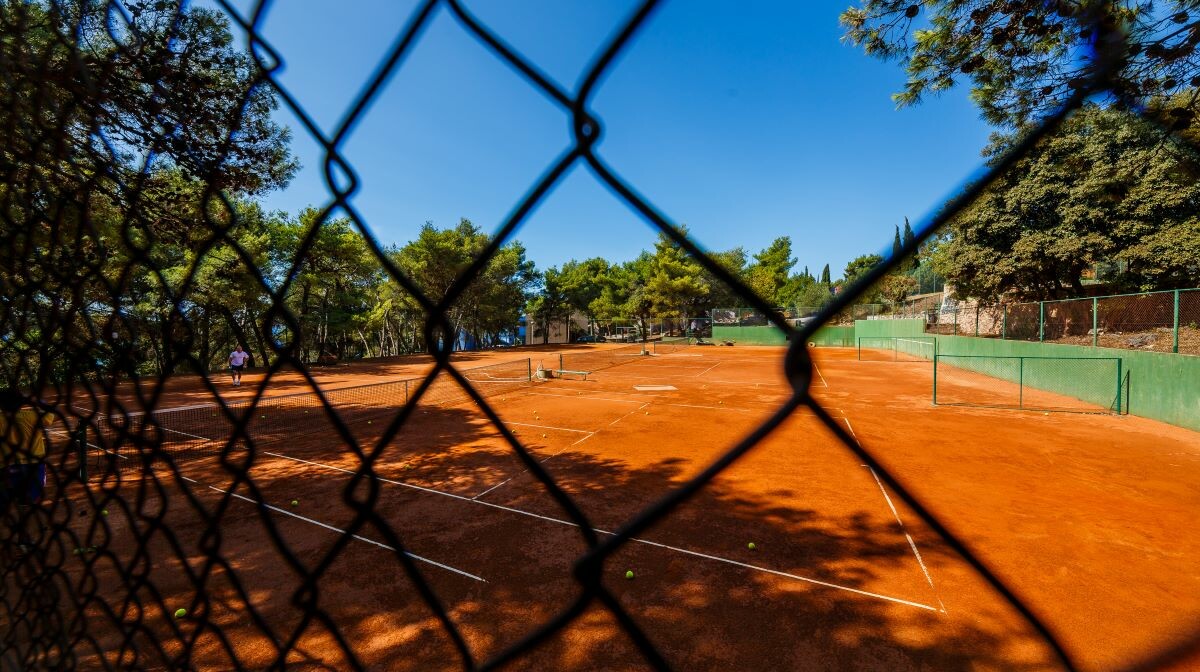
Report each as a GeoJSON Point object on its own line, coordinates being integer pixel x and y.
{"type": "Point", "coordinates": [550, 303]}
{"type": "Point", "coordinates": [583, 284]}
{"type": "Point", "coordinates": [168, 85]}
{"type": "Point", "coordinates": [720, 295]}
{"type": "Point", "coordinates": [492, 304]}
{"type": "Point", "coordinates": [673, 282]}
{"type": "Point", "coordinates": [1108, 186]}
{"type": "Point", "coordinates": [1021, 57]}
{"type": "Point", "coordinates": [771, 270]}
{"type": "Point", "coordinates": [859, 266]}
{"type": "Point", "coordinates": [896, 287]}
{"type": "Point", "coordinates": [334, 284]}
{"type": "Point", "coordinates": [814, 295]}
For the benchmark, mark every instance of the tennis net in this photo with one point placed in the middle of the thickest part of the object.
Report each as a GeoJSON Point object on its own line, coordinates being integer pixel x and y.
{"type": "Point", "coordinates": [136, 440]}
{"type": "Point", "coordinates": [897, 348]}
{"type": "Point", "coordinates": [594, 360]}
{"type": "Point", "coordinates": [666, 345]}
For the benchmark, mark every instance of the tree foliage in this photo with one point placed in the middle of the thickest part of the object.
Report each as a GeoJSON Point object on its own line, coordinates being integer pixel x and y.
{"type": "Point", "coordinates": [130, 152]}
{"type": "Point", "coordinates": [1023, 58]}
{"type": "Point", "coordinates": [1107, 187]}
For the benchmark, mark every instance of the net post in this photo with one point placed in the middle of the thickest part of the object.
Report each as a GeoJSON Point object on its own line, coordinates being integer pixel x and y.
{"type": "Point", "coordinates": [529, 368]}
{"type": "Point", "coordinates": [560, 362]}
{"type": "Point", "coordinates": [1095, 321]}
{"type": "Point", "coordinates": [1175, 329]}
{"type": "Point", "coordinates": [1020, 382]}
{"type": "Point", "coordinates": [1041, 321]}
{"type": "Point", "coordinates": [860, 348]}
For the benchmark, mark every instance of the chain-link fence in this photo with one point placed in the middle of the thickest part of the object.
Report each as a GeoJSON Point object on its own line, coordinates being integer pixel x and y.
{"type": "Point", "coordinates": [628, 330]}
{"type": "Point", "coordinates": [110, 152]}
{"type": "Point", "coordinates": [1078, 384]}
{"type": "Point", "coordinates": [1156, 321]}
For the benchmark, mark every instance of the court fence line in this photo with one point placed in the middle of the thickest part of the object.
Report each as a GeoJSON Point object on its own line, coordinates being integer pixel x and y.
{"type": "Point", "coordinates": [1080, 384]}
{"type": "Point", "coordinates": [1159, 321]}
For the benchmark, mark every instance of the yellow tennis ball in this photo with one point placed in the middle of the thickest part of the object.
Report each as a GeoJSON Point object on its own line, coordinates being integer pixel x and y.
{"type": "Point", "coordinates": [104, 512]}
{"type": "Point", "coordinates": [629, 574]}
{"type": "Point", "coordinates": [180, 612]}
{"type": "Point", "coordinates": [751, 546]}
{"type": "Point", "coordinates": [295, 502]}
{"type": "Point", "coordinates": [543, 436]}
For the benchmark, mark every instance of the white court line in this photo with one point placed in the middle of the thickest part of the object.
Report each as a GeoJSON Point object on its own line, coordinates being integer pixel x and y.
{"type": "Point", "coordinates": [709, 369]}
{"type": "Point", "coordinates": [557, 429]}
{"type": "Point", "coordinates": [335, 529]}
{"type": "Point", "coordinates": [818, 370]}
{"type": "Point", "coordinates": [541, 461]}
{"type": "Point", "coordinates": [628, 414]}
{"type": "Point", "coordinates": [912, 544]}
{"type": "Point", "coordinates": [638, 401]}
{"type": "Point", "coordinates": [579, 396]}
{"type": "Point", "coordinates": [672, 379]}
{"type": "Point", "coordinates": [676, 549]}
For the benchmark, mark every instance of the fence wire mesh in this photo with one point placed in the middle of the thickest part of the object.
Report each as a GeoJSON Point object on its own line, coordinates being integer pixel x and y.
{"type": "Point", "coordinates": [90, 114]}
{"type": "Point", "coordinates": [1154, 321]}
{"type": "Point", "coordinates": [1068, 384]}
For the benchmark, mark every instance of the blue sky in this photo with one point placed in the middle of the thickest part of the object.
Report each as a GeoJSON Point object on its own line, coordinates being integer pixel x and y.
{"type": "Point", "coordinates": [744, 121]}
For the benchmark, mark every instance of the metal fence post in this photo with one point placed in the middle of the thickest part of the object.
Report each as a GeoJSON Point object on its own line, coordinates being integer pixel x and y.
{"type": "Point", "coordinates": [977, 320]}
{"type": "Point", "coordinates": [1119, 360]}
{"type": "Point", "coordinates": [935, 363]}
{"type": "Point", "coordinates": [1004, 323]}
{"type": "Point", "coordinates": [1175, 330]}
{"type": "Point", "coordinates": [1020, 382]}
{"type": "Point", "coordinates": [1095, 322]}
{"type": "Point", "coordinates": [1041, 320]}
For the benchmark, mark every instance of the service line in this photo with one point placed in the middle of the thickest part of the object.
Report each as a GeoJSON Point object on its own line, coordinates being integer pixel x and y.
{"type": "Point", "coordinates": [675, 549]}
{"type": "Point", "coordinates": [335, 529]}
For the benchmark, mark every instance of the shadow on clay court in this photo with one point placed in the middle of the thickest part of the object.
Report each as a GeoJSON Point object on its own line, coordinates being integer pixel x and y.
{"type": "Point", "coordinates": [512, 570]}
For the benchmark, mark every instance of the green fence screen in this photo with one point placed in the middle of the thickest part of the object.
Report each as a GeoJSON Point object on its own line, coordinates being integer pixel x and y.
{"type": "Point", "coordinates": [1078, 384]}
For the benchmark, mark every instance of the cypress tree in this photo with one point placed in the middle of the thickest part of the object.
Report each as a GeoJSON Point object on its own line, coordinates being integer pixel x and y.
{"type": "Point", "coordinates": [896, 243]}
{"type": "Point", "coordinates": [909, 242]}
{"type": "Point", "coordinates": [825, 274]}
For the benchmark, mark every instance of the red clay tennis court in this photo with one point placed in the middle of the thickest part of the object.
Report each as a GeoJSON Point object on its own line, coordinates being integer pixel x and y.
{"type": "Point", "coordinates": [1077, 513]}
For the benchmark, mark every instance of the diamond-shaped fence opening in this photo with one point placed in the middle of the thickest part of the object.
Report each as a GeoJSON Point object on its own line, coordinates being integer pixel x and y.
{"type": "Point", "coordinates": [124, 199]}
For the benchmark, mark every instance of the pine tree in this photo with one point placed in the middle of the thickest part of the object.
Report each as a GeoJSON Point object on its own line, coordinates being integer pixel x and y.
{"type": "Point", "coordinates": [910, 243]}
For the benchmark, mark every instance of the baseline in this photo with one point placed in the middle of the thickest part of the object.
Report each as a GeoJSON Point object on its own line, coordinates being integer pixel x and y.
{"type": "Point", "coordinates": [675, 549]}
